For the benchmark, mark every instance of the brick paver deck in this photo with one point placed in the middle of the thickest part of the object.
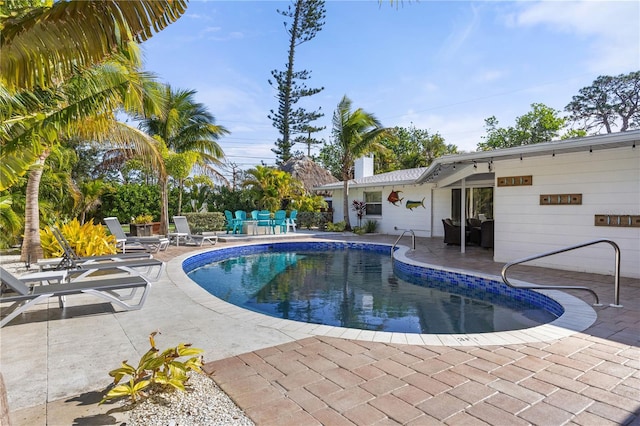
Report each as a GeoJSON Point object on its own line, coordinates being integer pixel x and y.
{"type": "Point", "coordinates": [589, 378]}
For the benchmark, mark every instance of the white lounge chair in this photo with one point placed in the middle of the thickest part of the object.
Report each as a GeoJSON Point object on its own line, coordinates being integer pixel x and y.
{"type": "Point", "coordinates": [56, 263]}
{"type": "Point", "coordinates": [106, 288]}
{"type": "Point", "coordinates": [70, 258]}
{"type": "Point", "coordinates": [133, 267]}
{"type": "Point", "coordinates": [184, 232]}
{"type": "Point", "coordinates": [78, 268]}
{"type": "Point", "coordinates": [291, 221]}
{"type": "Point", "coordinates": [149, 244]}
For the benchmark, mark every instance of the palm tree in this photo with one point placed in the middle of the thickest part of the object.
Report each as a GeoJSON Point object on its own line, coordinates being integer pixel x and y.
{"type": "Point", "coordinates": [271, 186]}
{"type": "Point", "coordinates": [89, 200]}
{"type": "Point", "coordinates": [44, 42]}
{"type": "Point", "coordinates": [85, 107]}
{"type": "Point", "coordinates": [356, 133]}
{"type": "Point", "coordinates": [200, 188]}
{"type": "Point", "coordinates": [260, 182]}
{"type": "Point", "coordinates": [185, 126]}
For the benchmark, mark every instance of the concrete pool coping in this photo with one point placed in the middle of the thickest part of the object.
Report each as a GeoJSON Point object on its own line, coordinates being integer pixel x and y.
{"type": "Point", "coordinates": [577, 316]}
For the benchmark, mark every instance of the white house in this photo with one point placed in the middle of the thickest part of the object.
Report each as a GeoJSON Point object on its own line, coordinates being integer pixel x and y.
{"type": "Point", "coordinates": [542, 197]}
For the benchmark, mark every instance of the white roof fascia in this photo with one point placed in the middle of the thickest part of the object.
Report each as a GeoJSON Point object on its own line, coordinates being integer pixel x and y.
{"type": "Point", "coordinates": [332, 186]}
{"type": "Point", "coordinates": [464, 171]}
{"type": "Point", "coordinates": [607, 141]}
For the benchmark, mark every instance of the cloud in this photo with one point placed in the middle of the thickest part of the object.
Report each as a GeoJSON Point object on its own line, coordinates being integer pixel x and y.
{"type": "Point", "coordinates": [612, 27]}
{"type": "Point", "coordinates": [211, 30]}
{"type": "Point", "coordinates": [428, 87]}
{"type": "Point", "coordinates": [234, 35]}
{"type": "Point", "coordinates": [490, 75]}
{"type": "Point", "coordinates": [198, 16]}
{"type": "Point", "coordinates": [456, 40]}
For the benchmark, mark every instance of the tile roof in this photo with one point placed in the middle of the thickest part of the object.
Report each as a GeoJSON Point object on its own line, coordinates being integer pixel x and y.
{"type": "Point", "coordinates": [443, 167]}
{"type": "Point", "coordinates": [389, 178]}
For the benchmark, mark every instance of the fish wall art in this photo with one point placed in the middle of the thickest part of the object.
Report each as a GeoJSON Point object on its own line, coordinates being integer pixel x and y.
{"type": "Point", "coordinates": [414, 204]}
{"type": "Point", "coordinates": [394, 197]}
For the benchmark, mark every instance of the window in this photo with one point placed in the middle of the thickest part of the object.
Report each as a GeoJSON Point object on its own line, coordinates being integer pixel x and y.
{"type": "Point", "coordinates": [374, 203]}
{"type": "Point", "coordinates": [479, 201]}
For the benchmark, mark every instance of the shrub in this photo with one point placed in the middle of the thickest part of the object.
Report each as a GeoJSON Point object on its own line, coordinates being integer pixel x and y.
{"type": "Point", "coordinates": [162, 369]}
{"type": "Point", "coordinates": [130, 200]}
{"type": "Point", "coordinates": [305, 220]}
{"type": "Point", "coordinates": [325, 218]}
{"type": "Point", "coordinates": [232, 200]}
{"type": "Point", "coordinates": [336, 227]}
{"type": "Point", "coordinates": [86, 240]}
{"type": "Point", "coordinates": [142, 219]}
{"type": "Point", "coordinates": [370, 226]}
{"type": "Point", "coordinates": [310, 220]}
{"type": "Point", "coordinates": [209, 221]}
{"type": "Point", "coordinates": [359, 230]}
{"type": "Point", "coordinates": [309, 203]}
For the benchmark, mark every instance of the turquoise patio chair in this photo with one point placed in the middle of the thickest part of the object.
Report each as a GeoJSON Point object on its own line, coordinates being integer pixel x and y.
{"type": "Point", "coordinates": [280, 219]}
{"type": "Point", "coordinates": [241, 216]}
{"type": "Point", "coordinates": [232, 223]}
{"type": "Point", "coordinates": [264, 220]}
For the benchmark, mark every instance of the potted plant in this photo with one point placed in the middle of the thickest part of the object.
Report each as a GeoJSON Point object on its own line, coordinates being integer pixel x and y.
{"type": "Point", "coordinates": [141, 226]}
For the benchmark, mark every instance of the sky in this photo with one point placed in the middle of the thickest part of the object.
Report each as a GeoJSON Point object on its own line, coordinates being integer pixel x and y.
{"type": "Point", "coordinates": [441, 66]}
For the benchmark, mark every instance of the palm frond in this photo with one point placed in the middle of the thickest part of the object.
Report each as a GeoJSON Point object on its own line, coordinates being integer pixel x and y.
{"type": "Point", "coordinates": [84, 105]}
{"type": "Point", "coordinates": [127, 141]}
{"type": "Point", "coordinates": [15, 164]}
{"type": "Point", "coordinates": [50, 43]}
{"type": "Point", "coordinates": [10, 222]}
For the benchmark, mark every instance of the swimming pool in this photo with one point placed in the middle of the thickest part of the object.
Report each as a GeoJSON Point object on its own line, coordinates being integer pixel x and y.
{"type": "Point", "coordinates": [359, 287]}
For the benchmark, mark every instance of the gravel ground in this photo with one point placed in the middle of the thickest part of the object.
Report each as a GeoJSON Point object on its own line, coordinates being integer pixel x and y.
{"type": "Point", "coordinates": [203, 403]}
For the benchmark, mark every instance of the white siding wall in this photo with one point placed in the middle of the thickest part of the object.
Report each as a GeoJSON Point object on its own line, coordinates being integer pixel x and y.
{"type": "Point", "coordinates": [441, 209]}
{"type": "Point", "coordinates": [418, 219]}
{"type": "Point", "coordinates": [609, 182]}
{"type": "Point", "coordinates": [336, 197]}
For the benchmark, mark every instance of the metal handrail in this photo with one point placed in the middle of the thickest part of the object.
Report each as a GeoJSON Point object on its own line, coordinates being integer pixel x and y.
{"type": "Point", "coordinates": [554, 287]}
{"type": "Point", "coordinates": [404, 231]}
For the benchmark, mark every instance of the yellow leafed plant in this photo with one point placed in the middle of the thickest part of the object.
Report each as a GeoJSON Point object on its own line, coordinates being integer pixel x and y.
{"type": "Point", "coordinates": [86, 240]}
{"type": "Point", "coordinates": [163, 369]}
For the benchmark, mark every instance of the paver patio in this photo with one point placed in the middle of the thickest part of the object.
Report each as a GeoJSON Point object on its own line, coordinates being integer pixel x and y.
{"type": "Point", "coordinates": [589, 378]}
{"type": "Point", "coordinates": [288, 378]}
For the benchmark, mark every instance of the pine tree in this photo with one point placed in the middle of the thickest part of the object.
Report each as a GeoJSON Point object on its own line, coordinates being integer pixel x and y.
{"type": "Point", "coordinates": [307, 18]}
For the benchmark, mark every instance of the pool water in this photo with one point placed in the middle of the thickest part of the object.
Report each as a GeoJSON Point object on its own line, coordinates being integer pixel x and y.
{"type": "Point", "coordinates": [358, 289]}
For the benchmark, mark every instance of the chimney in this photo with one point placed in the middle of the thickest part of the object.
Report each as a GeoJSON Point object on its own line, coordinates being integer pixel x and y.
{"type": "Point", "coordinates": [363, 167]}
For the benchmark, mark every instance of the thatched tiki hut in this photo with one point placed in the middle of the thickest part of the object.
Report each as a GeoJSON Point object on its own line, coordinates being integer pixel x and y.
{"type": "Point", "coordinates": [311, 174]}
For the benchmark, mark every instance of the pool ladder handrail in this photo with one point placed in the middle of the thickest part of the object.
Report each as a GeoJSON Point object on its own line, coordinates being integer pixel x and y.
{"type": "Point", "coordinates": [404, 231]}
{"type": "Point", "coordinates": [568, 287]}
